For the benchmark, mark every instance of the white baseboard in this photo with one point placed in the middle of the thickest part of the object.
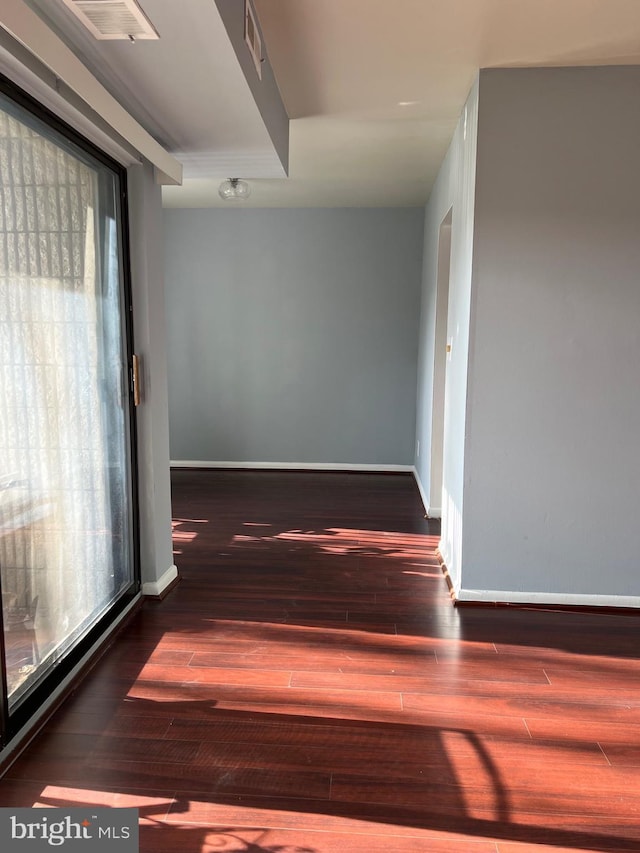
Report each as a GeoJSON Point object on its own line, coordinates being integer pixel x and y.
{"type": "Point", "coordinates": [431, 511]}
{"type": "Point", "coordinates": [156, 588]}
{"type": "Point", "coordinates": [293, 466]}
{"type": "Point", "coordinates": [552, 598]}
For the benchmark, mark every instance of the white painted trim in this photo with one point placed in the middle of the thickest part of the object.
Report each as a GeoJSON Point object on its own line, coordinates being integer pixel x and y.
{"type": "Point", "coordinates": [293, 466]}
{"type": "Point", "coordinates": [423, 494]}
{"type": "Point", "coordinates": [211, 164]}
{"type": "Point", "coordinates": [575, 599]}
{"type": "Point", "coordinates": [431, 511]}
{"type": "Point", "coordinates": [32, 32]}
{"type": "Point", "coordinates": [156, 588]}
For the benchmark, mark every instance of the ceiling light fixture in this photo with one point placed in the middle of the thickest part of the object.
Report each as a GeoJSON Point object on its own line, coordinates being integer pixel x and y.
{"type": "Point", "coordinates": [234, 188]}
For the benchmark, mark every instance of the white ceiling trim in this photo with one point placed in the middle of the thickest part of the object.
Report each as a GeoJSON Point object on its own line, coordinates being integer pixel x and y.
{"type": "Point", "coordinates": [30, 31]}
{"type": "Point", "coordinates": [225, 164]}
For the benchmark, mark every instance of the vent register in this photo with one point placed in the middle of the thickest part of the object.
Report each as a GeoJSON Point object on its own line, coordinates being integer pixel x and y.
{"type": "Point", "coordinates": [252, 37]}
{"type": "Point", "coordinates": [113, 19]}
{"type": "Point", "coordinates": [125, 20]}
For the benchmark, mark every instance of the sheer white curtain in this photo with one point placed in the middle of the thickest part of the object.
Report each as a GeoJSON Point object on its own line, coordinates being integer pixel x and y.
{"type": "Point", "coordinates": [55, 518]}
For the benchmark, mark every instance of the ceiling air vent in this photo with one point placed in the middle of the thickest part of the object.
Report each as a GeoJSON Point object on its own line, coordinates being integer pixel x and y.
{"type": "Point", "coordinates": [252, 36]}
{"type": "Point", "coordinates": [113, 19]}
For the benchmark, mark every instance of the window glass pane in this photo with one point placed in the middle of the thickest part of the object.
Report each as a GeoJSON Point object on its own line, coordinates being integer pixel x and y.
{"type": "Point", "coordinates": [65, 527]}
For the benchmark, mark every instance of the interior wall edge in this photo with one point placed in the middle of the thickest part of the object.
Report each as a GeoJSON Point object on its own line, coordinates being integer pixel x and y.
{"type": "Point", "coordinates": [431, 511]}
{"type": "Point", "coordinates": [156, 589]}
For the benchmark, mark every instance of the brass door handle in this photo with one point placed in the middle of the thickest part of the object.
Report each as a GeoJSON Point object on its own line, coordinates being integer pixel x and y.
{"type": "Point", "coordinates": [135, 380]}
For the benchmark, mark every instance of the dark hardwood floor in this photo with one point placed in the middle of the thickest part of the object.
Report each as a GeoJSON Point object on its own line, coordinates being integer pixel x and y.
{"type": "Point", "coordinates": [309, 687]}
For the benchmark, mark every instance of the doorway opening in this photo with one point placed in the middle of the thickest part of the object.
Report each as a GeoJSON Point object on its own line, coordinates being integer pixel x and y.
{"type": "Point", "coordinates": [440, 366]}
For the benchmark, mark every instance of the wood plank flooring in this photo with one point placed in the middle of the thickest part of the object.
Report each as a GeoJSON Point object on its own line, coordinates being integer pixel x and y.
{"type": "Point", "coordinates": [309, 686]}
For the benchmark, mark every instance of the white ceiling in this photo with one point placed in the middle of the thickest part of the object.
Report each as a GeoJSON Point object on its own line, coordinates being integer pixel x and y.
{"type": "Point", "coordinates": [186, 89]}
{"type": "Point", "coordinates": [373, 89]}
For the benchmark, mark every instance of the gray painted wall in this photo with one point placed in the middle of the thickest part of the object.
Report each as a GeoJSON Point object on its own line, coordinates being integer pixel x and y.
{"type": "Point", "coordinates": [293, 334]}
{"type": "Point", "coordinates": [552, 470]}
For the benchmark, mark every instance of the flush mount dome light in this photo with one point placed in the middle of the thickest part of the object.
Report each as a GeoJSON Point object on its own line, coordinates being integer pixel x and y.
{"type": "Point", "coordinates": [234, 188]}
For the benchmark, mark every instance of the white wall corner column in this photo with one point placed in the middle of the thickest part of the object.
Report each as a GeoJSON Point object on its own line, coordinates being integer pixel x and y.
{"type": "Point", "coordinates": [554, 345]}
{"type": "Point", "coordinates": [145, 212]}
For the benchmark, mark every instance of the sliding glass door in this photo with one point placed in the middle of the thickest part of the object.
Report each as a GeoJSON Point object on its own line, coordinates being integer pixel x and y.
{"type": "Point", "coordinates": [67, 528]}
